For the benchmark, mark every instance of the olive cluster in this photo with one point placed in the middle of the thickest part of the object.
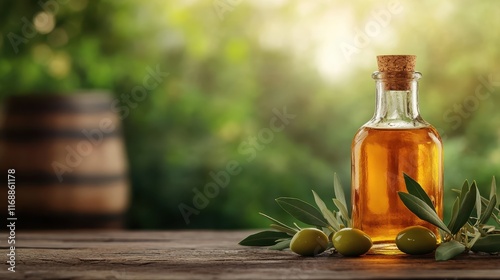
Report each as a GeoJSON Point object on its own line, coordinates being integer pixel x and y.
{"type": "Point", "coordinates": [351, 242]}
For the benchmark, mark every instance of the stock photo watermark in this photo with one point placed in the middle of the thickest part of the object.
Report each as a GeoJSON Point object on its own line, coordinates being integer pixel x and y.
{"type": "Point", "coordinates": [221, 7]}
{"type": "Point", "coordinates": [222, 178]}
{"type": "Point", "coordinates": [378, 20]}
{"type": "Point", "coordinates": [471, 103]}
{"type": "Point", "coordinates": [95, 136]}
{"type": "Point", "coordinates": [43, 22]}
{"type": "Point", "coordinates": [11, 219]}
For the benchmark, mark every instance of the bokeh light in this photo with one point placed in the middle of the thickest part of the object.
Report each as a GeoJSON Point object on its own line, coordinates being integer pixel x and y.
{"type": "Point", "coordinates": [229, 69]}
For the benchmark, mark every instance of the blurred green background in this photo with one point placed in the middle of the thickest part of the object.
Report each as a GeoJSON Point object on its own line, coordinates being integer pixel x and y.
{"type": "Point", "coordinates": [231, 62]}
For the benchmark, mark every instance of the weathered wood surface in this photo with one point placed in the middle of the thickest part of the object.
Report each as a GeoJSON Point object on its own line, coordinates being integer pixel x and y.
{"type": "Point", "coordinates": [209, 255]}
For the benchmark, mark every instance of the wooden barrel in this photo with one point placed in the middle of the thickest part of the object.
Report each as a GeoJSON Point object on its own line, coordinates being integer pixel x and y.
{"type": "Point", "coordinates": [69, 160]}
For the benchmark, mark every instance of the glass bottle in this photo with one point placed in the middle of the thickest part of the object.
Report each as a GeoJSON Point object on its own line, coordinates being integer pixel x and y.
{"type": "Point", "coordinates": [395, 141]}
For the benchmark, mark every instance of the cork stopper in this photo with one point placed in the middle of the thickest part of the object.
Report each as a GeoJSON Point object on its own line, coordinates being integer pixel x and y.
{"type": "Point", "coordinates": [397, 70]}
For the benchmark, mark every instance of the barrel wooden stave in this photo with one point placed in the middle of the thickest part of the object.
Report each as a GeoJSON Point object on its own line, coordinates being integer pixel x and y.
{"type": "Point", "coordinates": [43, 134]}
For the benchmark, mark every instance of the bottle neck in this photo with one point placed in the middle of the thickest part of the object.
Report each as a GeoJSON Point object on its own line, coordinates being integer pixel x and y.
{"type": "Point", "coordinates": [396, 107]}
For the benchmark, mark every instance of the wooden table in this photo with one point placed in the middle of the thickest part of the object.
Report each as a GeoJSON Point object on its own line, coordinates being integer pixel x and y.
{"type": "Point", "coordinates": [209, 255]}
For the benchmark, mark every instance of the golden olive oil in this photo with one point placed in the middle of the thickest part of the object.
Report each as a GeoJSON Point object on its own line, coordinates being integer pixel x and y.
{"type": "Point", "coordinates": [379, 159]}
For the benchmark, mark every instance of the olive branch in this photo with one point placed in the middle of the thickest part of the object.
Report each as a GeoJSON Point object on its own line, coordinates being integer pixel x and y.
{"type": "Point", "coordinates": [467, 230]}
{"type": "Point", "coordinates": [329, 221]}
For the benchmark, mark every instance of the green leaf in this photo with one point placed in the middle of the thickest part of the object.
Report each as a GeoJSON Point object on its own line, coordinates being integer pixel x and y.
{"type": "Point", "coordinates": [290, 232]}
{"type": "Point", "coordinates": [338, 190]}
{"type": "Point", "coordinates": [493, 190]}
{"type": "Point", "coordinates": [463, 191]}
{"type": "Point", "coordinates": [478, 204]}
{"type": "Point", "coordinates": [281, 245]}
{"type": "Point", "coordinates": [488, 228]}
{"type": "Point", "coordinates": [454, 212]}
{"type": "Point", "coordinates": [278, 222]}
{"type": "Point", "coordinates": [330, 218]}
{"type": "Point", "coordinates": [263, 238]}
{"type": "Point", "coordinates": [457, 191]}
{"type": "Point", "coordinates": [422, 210]}
{"type": "Point", "coordinates": [489, 210]}
{"type": "Point", "coordinates": [343, 211]}
{"type": "Point", "coordinates": [471, 243]}
{"type": "Point", "coordinates": [488, 244]}
{"type": "Point", "coordinates": [414, 188]}
{"type": "Point", "coordinates": [449, 250]}
{"type": "Point", "coordinates": [486, 202]}
{"type": "Point", "coordinates": [465, 209]}
{"type": "Point", "coordinates": [302, 211]}
{"type": "Point", "coordinates": [297, 226]}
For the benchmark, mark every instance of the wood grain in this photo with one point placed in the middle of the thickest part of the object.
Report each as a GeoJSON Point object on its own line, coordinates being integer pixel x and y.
{"type": "Point", "coordinates": [210, 255]}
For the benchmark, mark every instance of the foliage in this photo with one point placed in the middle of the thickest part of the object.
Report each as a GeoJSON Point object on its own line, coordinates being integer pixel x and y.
{"type": "Point", "coordinates": [227, 74]}
{"type": "Point", "coordinates": [466, 231]}
{"type": "Point", "coordinates": [324, 219]}
{"type": "Point", "coordinates": [466, 228]}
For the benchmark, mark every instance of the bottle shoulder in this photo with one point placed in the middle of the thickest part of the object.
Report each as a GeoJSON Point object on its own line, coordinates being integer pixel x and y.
{"type": "Point", "coordinates": [421, 134]}
{"type": "Point", "coordinates": [402, 123]}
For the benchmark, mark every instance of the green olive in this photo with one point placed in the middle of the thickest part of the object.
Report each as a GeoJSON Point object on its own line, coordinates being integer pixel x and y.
{"type": "Point", "coordinates": [351, 242]}
{"type": "Point", "coordinates": [309, 242]}
{"type": "Point", "coordinates": [416, 240]}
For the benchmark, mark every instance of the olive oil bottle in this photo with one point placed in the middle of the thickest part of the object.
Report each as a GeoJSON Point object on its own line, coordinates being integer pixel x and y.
{"type": "Point", "coordinates": [395, 141]}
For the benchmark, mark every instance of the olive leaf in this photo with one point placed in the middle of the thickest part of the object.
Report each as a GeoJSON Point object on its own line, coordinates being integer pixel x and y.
{"type": "Point", "coordinates": [414, 188]}
{"type": "Point", "coordinates": [477, 235]}
{"type": "Point", "coordinates": [330, 218]}
{"type": "Point", "coordinates": [493, 190]}
{"type": "Point", "coordinates": [290, 232]}
{"type": "Point", "coordinates": [489, 210]}
{"type": "Point", "coordinates": [488, 228]}
{"type": "Point", "coordinates": [281, 245]}
{"type": "Point", "coordinates": [489, 244]}
{"type": "Point", "coordinates": [464, 190]}
{"type": "Point", "coordinates": [457, 191]}
{"type": "Point", "coordinates": [449, 250]}
{"type": "Point", "coordinates": [422, 210]}
{"type": "Point", "coordinates": [343, 211]}
{"type": "Point", "coordinates": [297, 226]}
{"type": "Point", "coordinates": [486, 202]}
{"type": "Point", "coordinates": [339, 191]}
{"type": "Point", "coordinates": [263, 238]}
{"type": "Point", "coordinates": [478, 205]}
{"type": "Point", "coordinates": [454, 212]}
{"type": "Point", "coordinates": [465, 210]}
{"type": "Point", "coordinates": [278, 222]}
{"type": "Point", "coordinates": [302, 211]}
